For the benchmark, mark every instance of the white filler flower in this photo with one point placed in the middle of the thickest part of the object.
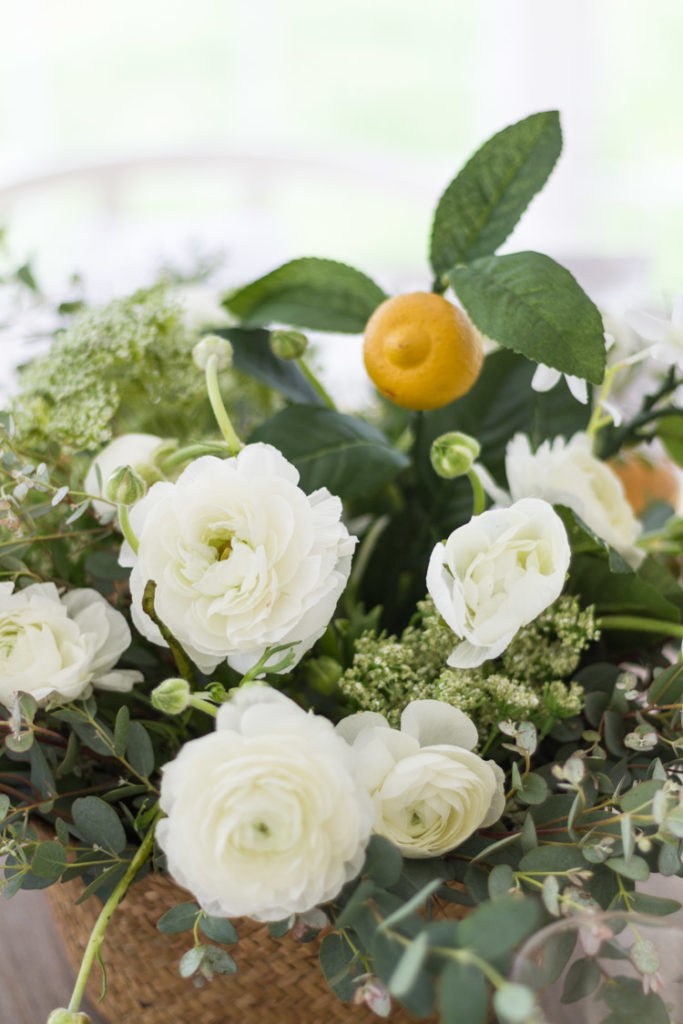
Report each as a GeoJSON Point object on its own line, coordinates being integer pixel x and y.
{"type": "Point", "coordinates": [431, 792]}
{"type": "Point", "coordinates": [60, 647]}
{"type": "Point", "coordinates": [497, 573]}
{"type": "Point", "coordinates": [136, 450]}
{"type": "Point", "coordinates": [264, 816]}
{"type": "Point", "coordinates": [567, 473]}
{"type": "Point", "coordinates": [242, 558]}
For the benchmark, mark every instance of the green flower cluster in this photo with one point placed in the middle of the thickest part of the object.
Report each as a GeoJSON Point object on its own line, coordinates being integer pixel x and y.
{"type": "Point", "coordinates": [527, 682]}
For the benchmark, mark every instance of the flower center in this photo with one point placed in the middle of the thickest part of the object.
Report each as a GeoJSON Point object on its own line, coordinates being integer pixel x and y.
{"type": "Point", "coordinates": [222, 545]}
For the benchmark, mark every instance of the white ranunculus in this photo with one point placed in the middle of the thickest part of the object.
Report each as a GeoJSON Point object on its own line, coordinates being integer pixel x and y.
{"type": "Point", "coordinates": [567, 473]}
{"type": "Point", "coordinates": [242, 558]}
{"type": "Point", "coordinates": [430, 791]}
{"type": "Point", "coordinates": [60, 647]}
{"type": "Point", "coordinates": [497, 573]}
{"type": "Point", "coordinates": [136, 450]}
{"type": "Point", "coordinates": [264, 816]}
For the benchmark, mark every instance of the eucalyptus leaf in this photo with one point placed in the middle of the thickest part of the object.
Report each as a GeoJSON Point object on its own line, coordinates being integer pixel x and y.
{"type": "Point", "coordinates": [383, 862]}
{"type": "Point", "coordinates": [495, 929]}
{"type": "Point", "coordinates": [191, 961]}
{"type": "Point", "coordinates": [636, 868]}
{"type": "Point", "coordinates": [527, 302]}
{"type": "Point", "coordinates": [583, 977]}
{"type": "Point", "coordinates": [180, 918]}
{"type": "Point", "coordinates": [409, 966]}
{"type": "Point", "coordinates": [121, 730]}
{"type": "Point", "coordinates": [49, 860]}
{"type": "Point", "coordinates": [483, 203]}
{"type": "Point", "coordinates": [98, 823]}
{"type": "Point", "coordinates": [463, 995]}
{"type": "Point", "coordinates": [218, 929]}
{"type": "Point", "coordinates": [139, 749]}
{"type": "Point", "coordinates": [336, 957]}
{"type": "Point", "coordinates": [501, 881]}
{"type": "Point", "coordinates": [319, 294]}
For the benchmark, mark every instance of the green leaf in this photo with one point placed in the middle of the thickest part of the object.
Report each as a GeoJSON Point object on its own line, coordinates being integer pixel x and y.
{"type": "Point", "coordinates": [670, 433]}
{"type": "Point", "coordinates": [278, 929]}
{"type": "Point", "coordinates": [529, 303]}
{"type": "Point", "coordinates": [383, 862]}
{"type": "Point", "coordinates": [667, 688]}
{"type": "Point", "coordinates": [501, 881]}
{"type": "Point", "coordinates": [98, 823]}
{"type": "Point", "coordinates": [336, 957]}
{"type": "Point", "coordinates": [640, 797]}
{"type": "Point", "coordinates": [552, 859]}
{"type": "Point", "coordinates": [343, 453]}
{"type": "Point", "coordinates": [534, 790]}
{"type": "Point", "coordinates": [320, 294]}
{"type": "Point", "coordinates": [556, 953]}
{"type": "Point", "coordinates": [668, 860]}
{"type": "Point", "coordinates": [139, 751]}
{"type": "Point", "coordinates": [121, 730]}
{"type": "Point", "coordinates": [412, 904]}
{"type": "Point", "coordinates": [514, 1003]}
{"type": "Point", "coordinates": [191, 961]}
{"type": "Point", "coordinates": [636, 868]}
{"type": "Point", "coordinates": [463, 995]}
{"type": "Point", "coordinates": [20, 743]}
{"type": "Point", "coordinates": [630, 1004]}
{"type": "Point", "coordinates": [253, 356]}
{"type": "Point", "coordinates": [180, 918]}
{"type": "Point", "coordinates": [528, 838]}
{"type": "Point", "coordinates": [483, 203]}
{"type": "Point", "coordinates": [583, 977]}
{"type": "Point", "coordinates": [49, 860]}
{"type": "Point", "coordinates": [217, 961]}
{"type": "Point", "coordinates": [644, 903]}
{"type": "Point", "coordinates": [4, 805]}
{"type": "Point", "coordinates": [494, 929]}
{"type": "Point", "coordinates": [218, 929]}
{"type": "Point", "coordinates": [408, 968]}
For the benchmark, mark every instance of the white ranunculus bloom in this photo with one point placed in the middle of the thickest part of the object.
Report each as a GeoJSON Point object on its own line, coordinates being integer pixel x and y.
{"type": "Point", "coordinates": [136, 450]}
{"type": "Point", "coordinates": [667, 335]}
{"type": "Point", "coordinates": [567, 473]}
{"type": "Point", "coordinates": [265, 817]}
{"type": "Point", "coordinates": [497, 573]}
{"type": "Point", "coordinates": [242, 558]}
{"type": "Point", "coordinates": [60, 647]}
{"type": "Point", "coordinates": [430, 791]}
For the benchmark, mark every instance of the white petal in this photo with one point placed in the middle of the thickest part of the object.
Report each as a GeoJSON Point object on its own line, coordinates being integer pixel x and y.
{"type": "Point", "coordinates": [652, 328]}
{"type": "Point", "coordinates": [351, 727]}
{"type": "Point", "coordinates": [434, 722]}
{"type": "Point", "coordinates": [500, 496]}
{"type": "Point", "coordinates": [578, 388]}
{"type": "Point", "coordinates": [545, 378]}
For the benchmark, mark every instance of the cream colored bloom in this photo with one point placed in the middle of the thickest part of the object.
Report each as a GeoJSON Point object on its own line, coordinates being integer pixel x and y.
{"type": "Point", "coordinates": [135, 450]}
{"type": "Point", "coordinates": [242, 558]}
{"type": "Point", "coordinates": [430, 791]}
{"type": "Point", "coordinates": [264, 816]}
{"type": "Point", "coordinates": [567, 473]}
{"type": "Point", "coordinates": [60, 647]}
{"type": "Point", "coordinates": [497, 573]}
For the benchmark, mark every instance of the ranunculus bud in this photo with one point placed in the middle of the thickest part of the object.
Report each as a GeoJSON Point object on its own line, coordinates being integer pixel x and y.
{"type": "Point", "coordinates": [288, 344]}
{"type": "Point", "coordinates": [453, 454]}
{"type": "Point", "coordinates": [212, 345]}
{"type": "Point", "coordinates": [62, 1016]}
{"type": "Point", "coordinates": [125, 486]}
{"type": "Point", "coordinates": [172, 696]}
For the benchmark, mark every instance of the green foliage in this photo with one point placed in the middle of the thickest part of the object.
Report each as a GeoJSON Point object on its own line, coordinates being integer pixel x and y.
{"type": "Point", "coordinates": [318, 294]}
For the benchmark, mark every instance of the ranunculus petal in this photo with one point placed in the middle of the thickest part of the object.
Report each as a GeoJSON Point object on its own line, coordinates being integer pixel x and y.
{"type": "Point", "coordinates": [433, 721]}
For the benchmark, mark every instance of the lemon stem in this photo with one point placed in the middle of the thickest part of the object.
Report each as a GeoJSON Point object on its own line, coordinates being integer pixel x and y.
{"type": "Point", "coordinates": [315, 383]}
{"type": "Point", "coordinates": [478, 495]}
{"type": "Point", "coordinates": [222, 419]}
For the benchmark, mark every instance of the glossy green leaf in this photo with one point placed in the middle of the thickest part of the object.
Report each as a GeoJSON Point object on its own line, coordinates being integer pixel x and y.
{"type": "Point", "coordinates": [529, 303]}
{"type": "Point", "coordinates": [253, 356]}
{"type": "Point", "coordinates": [343, 453]}
{"type": "Point", "coordinates": [319, 294]}
{"type": "Point", "coordinates": [483, 203]}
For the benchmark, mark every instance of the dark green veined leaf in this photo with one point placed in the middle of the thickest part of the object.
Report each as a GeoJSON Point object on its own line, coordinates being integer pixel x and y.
{"type": "Point", "coordinates": [253, 356]}
{"type": "Point", "coordinates": [529, 303]}
{"type": "Point", "coordinates": [670, 433]}
{"type": "Point", "coordinates": [343, 453]}
{"type": "Point", "coordinates": [483, 203]}
{"type": "Point", "coordinates": [320, 294]}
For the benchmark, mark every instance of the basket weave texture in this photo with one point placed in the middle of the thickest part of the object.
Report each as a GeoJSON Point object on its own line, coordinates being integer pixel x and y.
{"type": "Point", "coordinates": [279, 981]}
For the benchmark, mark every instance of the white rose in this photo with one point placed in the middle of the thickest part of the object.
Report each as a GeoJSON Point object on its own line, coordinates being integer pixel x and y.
{"type": "Point", "coordinates": [430, 791]}
{"type": "Point", "coordinates": [567, 473]}
{"type": "Point", "coordinates": [60, 647]}
{"type": "Point", "coordinates": [242, 558]}
{"type": "Point", "coordinates": [496, 574]}
{"type": "Point", "coordinates": [264, 816]}
{"type": "Point", "coordinates": [136, 450]}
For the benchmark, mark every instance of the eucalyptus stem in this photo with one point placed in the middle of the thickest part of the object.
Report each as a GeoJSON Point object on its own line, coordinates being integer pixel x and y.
{"type": "Point", "coordinates": [478, 495]}
{"type": "Point", "coordinates": [97, 935]}
{"type": "Point", "coordinates": [126, 528]}
{"type": "Point", "coordinates": [215, 398]}
{"type": "Point", "coordinates": [660, 626]}
{"type": "Point", "coordinates": [315, 383]}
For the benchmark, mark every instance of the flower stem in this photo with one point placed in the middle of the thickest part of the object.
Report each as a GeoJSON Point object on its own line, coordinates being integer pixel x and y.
{"type": "Point", "coordinates": [192, 451]}
{"type": "Point", "coordinates": [222, 419]}
{"type": "Point", "coordinates": [203, 705]}
{"type": "Point", "coordinates": [315, 383]}
{"type": "Point", "coordinates": [126, 528]}
{"type": "Point", "coordinates": [97, 935]}
{"type": "Point", "coordinates": [644, 625]}
{"type": "Point", "coordinates": [478, 495]}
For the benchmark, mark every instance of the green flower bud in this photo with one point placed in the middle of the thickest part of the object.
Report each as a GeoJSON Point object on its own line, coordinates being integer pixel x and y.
{"type": "Point", "coordinates": [212, 345]}
{"type": "Point", "coordinates": [453, 454]}
{"type": "Point", "coordinates": [172, 696]}
{"type": "Point", "coordinates": [288, 344]}
{"type": "Point", "coordinates": [63, 1016]}
{"type": "Point", "coordinates": [125, 486]}
{"type": "Point", "coordinates": [323, 674]}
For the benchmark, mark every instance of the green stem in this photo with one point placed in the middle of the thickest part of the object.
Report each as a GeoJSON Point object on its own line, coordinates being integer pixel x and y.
{"type": "Point", "coordinates": [360, 563]}
{"type": "Point", "coordinates": [192, 451]}
{"type": "Point", "coordinates": [222, 419]}
{"type": "Point", "coordinates": [203, 705]}
{"type": "Point", "coordinates": [644, 625]}
{"type": "Point", "coordinates": [97, 935]}
{"type": "Point", "coordinates": [315, 383]}
{"type": "Point", "coordinates": [126, 528]}
{"type": "Point", "coordinates": [478, 495]}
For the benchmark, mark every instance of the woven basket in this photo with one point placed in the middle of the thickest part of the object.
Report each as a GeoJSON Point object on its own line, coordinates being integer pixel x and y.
{"type": "Point", "coordinates": [279, 980]}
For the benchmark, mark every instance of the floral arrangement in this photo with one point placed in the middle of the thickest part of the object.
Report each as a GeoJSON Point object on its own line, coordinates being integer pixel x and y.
{"type": "Point", "coordinates": [340, 672]}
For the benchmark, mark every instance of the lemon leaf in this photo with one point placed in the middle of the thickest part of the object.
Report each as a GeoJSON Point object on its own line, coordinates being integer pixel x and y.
{"type": "Point", "coordinates": [483, 203]}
